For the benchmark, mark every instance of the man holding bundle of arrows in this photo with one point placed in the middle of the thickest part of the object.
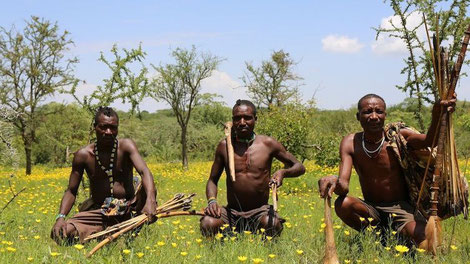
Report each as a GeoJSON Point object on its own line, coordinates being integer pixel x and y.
{"type": "Point", "coordinates": [109, 163]}
{"type": "Point", "coordinates": [248, 188]}
{"type": "Point", "coordinates": [380, 164]}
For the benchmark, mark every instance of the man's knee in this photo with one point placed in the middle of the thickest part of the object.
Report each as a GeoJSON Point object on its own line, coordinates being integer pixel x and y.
{"type": "Point", "coordinates": [343, 204]}
{"type": "Point", "coordinates": [210, 225]}
{"type": "Point", "coordinates": [272, 229]}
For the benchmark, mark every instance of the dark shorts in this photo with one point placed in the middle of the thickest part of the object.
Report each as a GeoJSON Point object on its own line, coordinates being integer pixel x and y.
{"type": "Point", "coordinates": [248, 220]}
{"type": "Point", "coordinates": [398, 214]}
{"type": "Point", "coordinates": [93, 221]}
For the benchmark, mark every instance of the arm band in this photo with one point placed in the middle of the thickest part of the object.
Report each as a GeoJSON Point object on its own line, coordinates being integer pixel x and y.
{"type": "Point", "coordinates": [211, 201]}
{"type": "Point", "coordinates": [60, 216]}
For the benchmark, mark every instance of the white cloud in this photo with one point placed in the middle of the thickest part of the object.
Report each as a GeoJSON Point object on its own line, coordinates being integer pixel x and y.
{"type": "Point", "coordinates": [392, 45]}
{"type": "Point", "coordinates": [341, 44]}
{"type": "Point", "coordinates": [223, 84]}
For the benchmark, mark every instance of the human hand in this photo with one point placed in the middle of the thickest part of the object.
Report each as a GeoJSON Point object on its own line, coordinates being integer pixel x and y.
{"type": "Point", "coordinates": [327, 185]}
{"type": "Point", "coordinates": [448, 105]}
{"type": "Point", "coordinates": [277, 178]}
{"type": "Point", "coordinates": [213, 209]}
{"type": "Point", "coordinates": [150, 209]}
{"type": "Point", "coordinates": [59, 230]}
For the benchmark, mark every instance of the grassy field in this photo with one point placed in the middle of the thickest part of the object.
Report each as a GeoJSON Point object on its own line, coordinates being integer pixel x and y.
{"type": "Point", "coordinates": [26, 223]}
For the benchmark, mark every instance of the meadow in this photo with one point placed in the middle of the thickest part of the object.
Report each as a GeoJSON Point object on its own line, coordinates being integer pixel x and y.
{"type": "Point", "coordinates": [26, 223]}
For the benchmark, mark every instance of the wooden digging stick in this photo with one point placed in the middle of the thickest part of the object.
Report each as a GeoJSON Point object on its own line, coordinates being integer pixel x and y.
{"type": "Point", "coordinates": [274, 189]}
{"type": "Point", "coordinates": [230, 152]}
{"type": "Point", "coordinates": [331, 256]}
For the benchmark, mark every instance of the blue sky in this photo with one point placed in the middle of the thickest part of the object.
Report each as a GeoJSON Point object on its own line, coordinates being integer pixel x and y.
{"type": "Point", "coordinates": [333, 41]}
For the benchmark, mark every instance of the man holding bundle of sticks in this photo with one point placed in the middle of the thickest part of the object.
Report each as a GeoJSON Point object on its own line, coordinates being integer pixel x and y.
{"type": "Point", "coordinates": [248, 190]}
{"type": "Point", "coordinates": [379, 156]}
{"type": "Point", "coordinates": [109, 163]}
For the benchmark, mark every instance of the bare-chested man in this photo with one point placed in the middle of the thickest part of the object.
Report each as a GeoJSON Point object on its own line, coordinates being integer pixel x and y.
{"type": "Point", "coordinates": [380, 174]}
{"type": "Point", "coordinates": [248, 196]}
{"type": "Point", "coordinates": [109, 165]}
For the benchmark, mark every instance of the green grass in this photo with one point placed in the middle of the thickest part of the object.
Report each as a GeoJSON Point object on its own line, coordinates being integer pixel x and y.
{"type": "Point", "coordinates": [27, 221]}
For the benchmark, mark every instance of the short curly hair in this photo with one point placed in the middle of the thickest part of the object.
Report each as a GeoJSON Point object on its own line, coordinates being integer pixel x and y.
{"type": "Point", "coordinates": [104, 110]}
{"type": "Point", "coordinates": [245, 102]}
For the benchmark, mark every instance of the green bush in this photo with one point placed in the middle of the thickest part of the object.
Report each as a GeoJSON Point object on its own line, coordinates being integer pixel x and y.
{"type": "Point", "coordinates": [290, 125]}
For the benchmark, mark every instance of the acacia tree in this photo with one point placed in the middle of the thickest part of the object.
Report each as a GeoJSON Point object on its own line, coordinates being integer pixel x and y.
{"type": "Point", "coordinates": [179, 85]}
{"type": "Point", "coordinates": [32, 67]}
{"type": "Point", "coordinates": [418, 64]}
{"type": "Point", "coordinates": [124, 84]}
{"type": "Point", "coordinates": [274, 82]}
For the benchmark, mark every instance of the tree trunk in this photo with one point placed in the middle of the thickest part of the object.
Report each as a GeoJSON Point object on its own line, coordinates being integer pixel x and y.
{"type": "Point", "coordinates": [184, 147]}
{"type": "Point", "coordinates": [27, 149]}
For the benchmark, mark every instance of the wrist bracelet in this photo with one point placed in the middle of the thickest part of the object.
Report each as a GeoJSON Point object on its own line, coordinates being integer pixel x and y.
{"type": "Point", "coordinates": [211, 201]}
{"type": "Point", "coordinates": [60, 216]}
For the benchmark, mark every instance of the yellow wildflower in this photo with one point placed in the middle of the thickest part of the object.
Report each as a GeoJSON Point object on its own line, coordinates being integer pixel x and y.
{"type": "Point", "coordinates": [54, 254]}
{"type": "Point", "coordinates": [183, 253]}
{"type": "Point", "coordinates": [126, 251]}
{"type": "Point", "coordinates": [197, 256]}
{"type": "Point", "coordinates": [257, 260]}
{"type": "Point", "coordinates": [242, 258]}
{"type": "Point", "coordinates": [78, 246]}
{"type": "Point", "coordinates": [401, 248]}
{"type": "Point", "coordinates": [453, 247]}
{"type": "Point", "coordinates": [299, 251]}
{"type": "Point", "coordinates": [420, 250]}
{"type": "Point", "coordinates": [160, 243]}
{"type": "Point", "coordinates": [346, 232]}
{"type": "Point", "coordinates": [11, 249]}
{"type": "Point", "coordinates": [247, 232]}
{"type": "Point", "coordinates": [272, 255]}
{"type": "Point", "coordinates": [140, 254]}
{"type": "Point", "coordinates": [323, 225]}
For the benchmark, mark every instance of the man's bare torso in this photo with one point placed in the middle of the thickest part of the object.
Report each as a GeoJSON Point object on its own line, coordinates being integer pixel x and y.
{"type": "Point", "coordinates": [99, 180]}
{"type": "Point", "coordinates": [252, 169]}
{"type": "Point", "coordinates": [381, 177]}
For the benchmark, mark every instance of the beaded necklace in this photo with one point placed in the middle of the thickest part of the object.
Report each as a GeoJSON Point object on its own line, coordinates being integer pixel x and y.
{"type": "Point", "coordinates": [109, 170]}
{"type": "Point", "coordinates": [370, 153]}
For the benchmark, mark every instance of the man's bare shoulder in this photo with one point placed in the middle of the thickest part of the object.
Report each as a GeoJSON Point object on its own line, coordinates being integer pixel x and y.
{"type": "Point", "coordinates": [347, 143]}
{"type": "Point", "coordinates": [83, 153]}
{"type": "Point", "coordinates": [266, 139]}
{"type": "Point", "coordinates": [127, 144]}
{"type": "Point", "coordinates": [221, 146]}
{"type": "Point", "coordinates": [349, 139]}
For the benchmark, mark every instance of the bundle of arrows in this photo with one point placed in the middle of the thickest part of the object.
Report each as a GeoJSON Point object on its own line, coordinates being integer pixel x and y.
{"type": "Point", "coordinates": [180, 204]}
{"type": "Point", "coordinates": [448, 193]}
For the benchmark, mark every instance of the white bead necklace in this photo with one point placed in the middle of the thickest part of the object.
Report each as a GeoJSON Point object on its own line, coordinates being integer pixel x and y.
{"type": "Point", "coordinates": [370, 153]}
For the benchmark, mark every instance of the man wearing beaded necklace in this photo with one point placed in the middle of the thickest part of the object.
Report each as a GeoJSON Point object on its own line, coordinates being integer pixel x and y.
{"type": "Point", "coordinates": [386, 198]}
{"type": "Point", "coordinates": [248, 195]}
{"type": "Point", "coordinates": [109, 163]}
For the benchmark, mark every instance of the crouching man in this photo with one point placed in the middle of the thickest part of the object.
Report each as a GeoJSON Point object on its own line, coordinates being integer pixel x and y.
{"type": "Point", "coordinates": [248, 196]}
{"type": "Point", "coordinates": [109, 164]}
